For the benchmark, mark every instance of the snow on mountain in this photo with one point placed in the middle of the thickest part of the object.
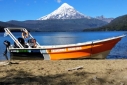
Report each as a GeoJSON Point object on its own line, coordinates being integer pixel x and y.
{"type": "Point", "coordinates": [65, 11]}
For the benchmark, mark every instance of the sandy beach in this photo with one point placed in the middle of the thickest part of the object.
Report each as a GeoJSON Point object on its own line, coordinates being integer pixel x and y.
{"type": "Point", "coordinates": [64, 72]}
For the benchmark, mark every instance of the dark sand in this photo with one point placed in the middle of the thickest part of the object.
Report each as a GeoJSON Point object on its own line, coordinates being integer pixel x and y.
{"type": "Point", "coordinates": [64, 72]}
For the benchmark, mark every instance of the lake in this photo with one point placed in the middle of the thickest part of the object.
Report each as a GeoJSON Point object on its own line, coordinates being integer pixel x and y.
{"type": "Point", "coordinates": [60, 38]}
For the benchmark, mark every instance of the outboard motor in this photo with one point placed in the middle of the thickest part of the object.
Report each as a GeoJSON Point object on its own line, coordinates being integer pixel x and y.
{"type": "Point", "coordinates": [21, 40]}
{"type": "Point", "coordinates": [7, 44]}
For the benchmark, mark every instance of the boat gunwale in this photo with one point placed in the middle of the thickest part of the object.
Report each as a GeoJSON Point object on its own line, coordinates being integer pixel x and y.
{"type": "Point", "coordinates": [70, 45]}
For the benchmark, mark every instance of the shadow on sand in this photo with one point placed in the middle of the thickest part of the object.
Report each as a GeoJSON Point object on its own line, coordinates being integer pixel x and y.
{"type": "Point", "coordinates": [68, 78]}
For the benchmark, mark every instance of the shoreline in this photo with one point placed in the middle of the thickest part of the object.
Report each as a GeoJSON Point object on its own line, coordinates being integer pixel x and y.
{"type": "Point", "coordinates": [62, 72]}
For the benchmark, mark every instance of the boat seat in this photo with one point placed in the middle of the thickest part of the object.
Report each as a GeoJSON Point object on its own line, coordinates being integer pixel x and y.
{"type": "Point", "coordinates": [22, 41]}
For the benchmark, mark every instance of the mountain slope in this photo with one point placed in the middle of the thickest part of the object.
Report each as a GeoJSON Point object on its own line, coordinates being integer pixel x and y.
{"type": "Point", "coordinates": [65, 11]}
{"type": "Point", "coordinates": [65, 18]}
{"type": "Point", "coordinates": [59, 24]}
{"type": "Point", "coordinates": [118, 24]}
{"type": "Point", "coordinates": [104, 19]}
{"type": "Point", "coordinates": [5, 24]}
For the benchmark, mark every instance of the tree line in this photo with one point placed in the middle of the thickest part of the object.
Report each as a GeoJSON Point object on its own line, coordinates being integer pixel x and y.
{"type": "Point", "coordinates": [118, 24]}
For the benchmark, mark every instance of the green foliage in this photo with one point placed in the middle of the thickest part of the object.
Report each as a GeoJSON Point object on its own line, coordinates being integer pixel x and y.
{"type": "Point", "coordinates": [118, 24]}
{"type": "Point", "coordinates": [1, 29]}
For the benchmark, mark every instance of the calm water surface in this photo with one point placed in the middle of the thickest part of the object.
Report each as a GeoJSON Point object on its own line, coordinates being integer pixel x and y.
{"type": "Point", "coordinates": [59, 38]}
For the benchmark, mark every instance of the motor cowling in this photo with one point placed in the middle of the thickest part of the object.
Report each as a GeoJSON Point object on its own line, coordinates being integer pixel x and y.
{"type": "Point", "coordinates": [6, 43]}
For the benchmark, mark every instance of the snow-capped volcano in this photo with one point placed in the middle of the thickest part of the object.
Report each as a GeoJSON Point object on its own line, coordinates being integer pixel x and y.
{"type": "Point", "coordinates": [65, 11]}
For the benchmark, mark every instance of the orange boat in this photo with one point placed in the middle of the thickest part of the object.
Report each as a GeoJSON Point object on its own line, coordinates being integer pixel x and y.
{"type": "Point", "coordinates": [32, 49]}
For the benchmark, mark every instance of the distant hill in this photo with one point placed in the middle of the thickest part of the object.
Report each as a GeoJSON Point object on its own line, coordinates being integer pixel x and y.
{"type": "Point", "coordinates": [117, 24]}
{"type": "Point", "coordinates": [1, 29]}
{"type": "Point", "coordinates": [60, 24]}
{"type": "Point", "coordinates": [104, 19]}
{"type": "Point", "coordinates": [7, 24]}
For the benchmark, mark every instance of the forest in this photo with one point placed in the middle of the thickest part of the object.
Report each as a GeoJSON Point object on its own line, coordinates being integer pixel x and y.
{"type": "Point", "coordinates": [118, 24]}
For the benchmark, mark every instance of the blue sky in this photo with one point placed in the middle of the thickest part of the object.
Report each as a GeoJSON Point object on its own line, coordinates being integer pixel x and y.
{"type": "Point", "coordinates": [33, 9]}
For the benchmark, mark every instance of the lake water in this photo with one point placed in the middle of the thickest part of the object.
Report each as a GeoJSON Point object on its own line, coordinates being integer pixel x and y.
{"type": "Point", "coordinates": [59, 38]}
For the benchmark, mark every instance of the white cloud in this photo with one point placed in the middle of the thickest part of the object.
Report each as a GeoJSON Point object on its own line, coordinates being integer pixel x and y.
{"type": "Point", "coordinates": [15, 0]}
{"type": "Point", "coordinates": [58, 1]}
{"type": "Point", "coordinates": [28, 4]}
{"type": "Point", "coordinates": [35, 1]}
